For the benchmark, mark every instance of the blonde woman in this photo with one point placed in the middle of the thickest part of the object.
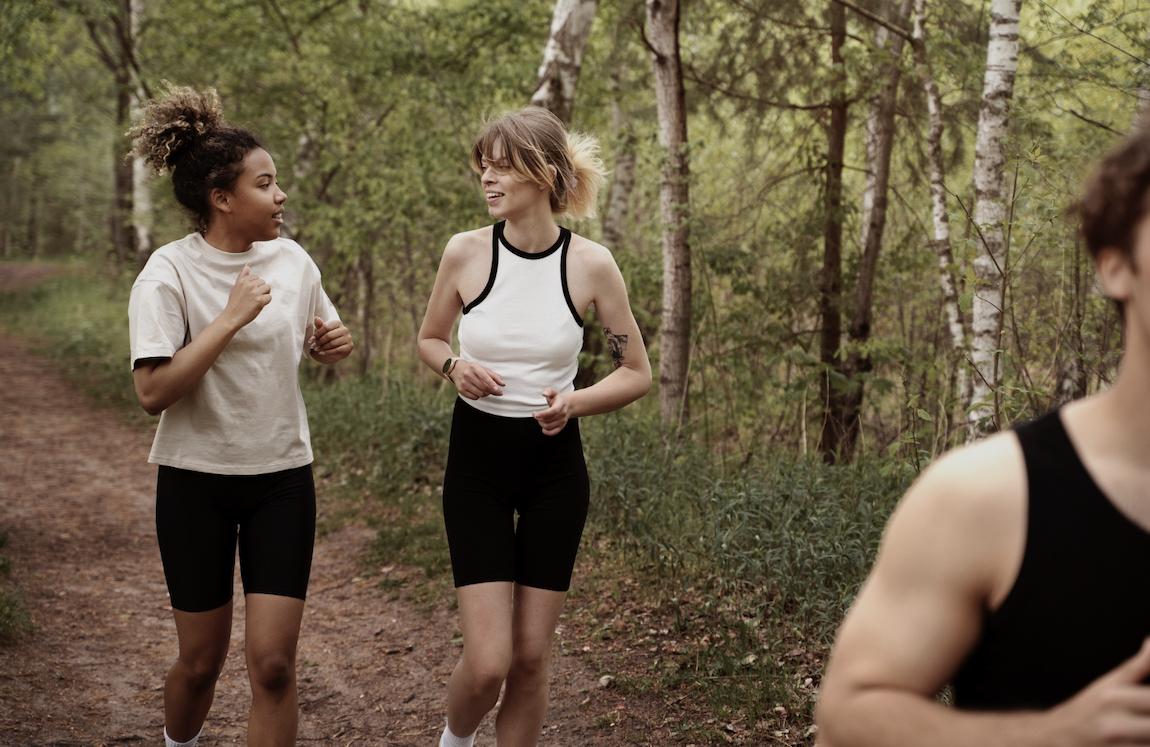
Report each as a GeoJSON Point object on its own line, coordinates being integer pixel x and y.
{"type": "Point", "coordinates": [515, 493]}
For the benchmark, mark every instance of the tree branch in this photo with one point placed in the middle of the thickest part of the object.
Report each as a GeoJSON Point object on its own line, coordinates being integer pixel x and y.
{"type": "Point", "coordinates": [690, 74]}
{"type": "Point", "coordinates": [880, 21]}
{"type": "Point", "coordinates": [1092, 35]}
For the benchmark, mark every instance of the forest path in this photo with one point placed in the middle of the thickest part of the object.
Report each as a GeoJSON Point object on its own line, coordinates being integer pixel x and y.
{"type": "Point", "coordinates": [76, 500]}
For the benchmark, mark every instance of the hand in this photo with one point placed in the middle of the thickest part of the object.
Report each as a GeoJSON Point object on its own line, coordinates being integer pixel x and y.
{"type": "Point", "coordinates": [558, 412]}
{"type": "Point", "coordinates": [249, 296]}
{"type": "Point", "coordinates": [474, 381]}
{"type": "Point", "coordinates": [330, 342]}
{"type": "Point", "coordinates": [1113, 710]}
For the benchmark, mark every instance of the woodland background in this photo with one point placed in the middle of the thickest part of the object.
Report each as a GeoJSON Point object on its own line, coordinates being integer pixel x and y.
{"type": "Point", "coordinates": [843, 225]}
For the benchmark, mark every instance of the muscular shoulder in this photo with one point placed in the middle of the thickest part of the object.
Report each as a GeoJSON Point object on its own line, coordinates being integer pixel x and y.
{"type": "Point", "coordinates": [966, 515]}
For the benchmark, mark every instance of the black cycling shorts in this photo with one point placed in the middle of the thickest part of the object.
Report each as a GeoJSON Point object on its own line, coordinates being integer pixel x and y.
{"type": "Point", "coordinates": [200, 516]}
{"type": "Point", "coordinates": [500, 468]}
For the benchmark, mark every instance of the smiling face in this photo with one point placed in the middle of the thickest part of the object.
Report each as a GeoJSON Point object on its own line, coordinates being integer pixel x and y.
{"type": "Point", "coordinates": [507, 193]}
{"type": "Point", "coordinates": [253, 206]}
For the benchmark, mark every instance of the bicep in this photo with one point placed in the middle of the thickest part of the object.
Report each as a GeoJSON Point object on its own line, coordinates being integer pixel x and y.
{"type": "Point", "coordinates": [920, 611]}
{"type": "Point", "coordinates": [613, 309]}
{"type": "Point", "coordinates": [444, 305]}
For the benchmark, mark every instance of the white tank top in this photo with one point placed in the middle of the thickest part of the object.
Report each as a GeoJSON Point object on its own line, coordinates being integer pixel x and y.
{"type": "Point", "coordinates": [524, 327]}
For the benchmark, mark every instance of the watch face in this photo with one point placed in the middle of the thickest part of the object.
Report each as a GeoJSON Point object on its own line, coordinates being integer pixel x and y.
{"type": "Point", "coordinates": [446, 365]}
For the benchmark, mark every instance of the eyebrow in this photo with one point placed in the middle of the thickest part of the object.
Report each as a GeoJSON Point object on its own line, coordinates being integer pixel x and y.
{"type": "Point", "coordinates": [261, 176]}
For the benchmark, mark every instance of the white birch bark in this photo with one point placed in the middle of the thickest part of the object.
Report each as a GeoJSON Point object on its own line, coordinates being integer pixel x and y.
{"type": "Point", "coordinates": [141, 187]}
{"type": "Point", "coordinates": [563, 56]}
{"type": "Point", "coordinates": [948, 274]}
{"type": "Point", "coordinates": [675, 327]}
{"type": "Point", "coordinates": [990, 211]}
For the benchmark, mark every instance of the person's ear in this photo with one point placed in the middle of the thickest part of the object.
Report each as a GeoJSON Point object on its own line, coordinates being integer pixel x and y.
{"type": "Point", "coordinates": [1115, 273]}
{"type": "Point", "coordinates": [220, 199]}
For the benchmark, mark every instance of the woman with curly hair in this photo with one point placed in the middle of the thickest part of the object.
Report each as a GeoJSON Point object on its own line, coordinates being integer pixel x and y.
{"type": "Point", "coordinates": [219, 321]}
{"type": "Point", "coordinates": [515, 494]}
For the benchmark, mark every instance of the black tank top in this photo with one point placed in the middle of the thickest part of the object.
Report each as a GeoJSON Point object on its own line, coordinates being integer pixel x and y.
{"type": "Point", "coordinates": [1081, 603]}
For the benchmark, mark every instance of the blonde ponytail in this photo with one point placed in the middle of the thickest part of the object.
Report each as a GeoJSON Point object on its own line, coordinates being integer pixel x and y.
{"type": "Point", "coordinates": [587, 176]}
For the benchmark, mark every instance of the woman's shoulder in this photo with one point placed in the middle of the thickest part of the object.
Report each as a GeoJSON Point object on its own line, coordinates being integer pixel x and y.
{"type": "Point", "coordinates": [468, 244]}
{"type": "Point", "coordinates": [165, 262]}
{"type": "Point", "coordinates": [590, 254]}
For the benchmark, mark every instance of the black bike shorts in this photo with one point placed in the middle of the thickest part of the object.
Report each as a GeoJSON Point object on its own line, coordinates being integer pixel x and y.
{"type": "Point", "coordinates": [514, 500]}
{"type": "Point", "coordinates": [200, 517]}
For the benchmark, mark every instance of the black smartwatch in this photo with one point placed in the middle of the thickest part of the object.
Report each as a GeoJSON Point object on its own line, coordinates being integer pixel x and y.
{"type": "Point", "coordinates": [447, 366]}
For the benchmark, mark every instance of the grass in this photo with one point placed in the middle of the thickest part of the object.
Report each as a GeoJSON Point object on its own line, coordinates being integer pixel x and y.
{"type": "Point", "coordinates": [14, 620]}
{"type": "Point", "coordinates": [749, 572]}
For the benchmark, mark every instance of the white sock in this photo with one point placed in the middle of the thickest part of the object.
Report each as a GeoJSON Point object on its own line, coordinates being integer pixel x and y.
{"type": "Point", "coordinates": [450, 740]}
{"type": "Point", "coordinates": [169, 742]}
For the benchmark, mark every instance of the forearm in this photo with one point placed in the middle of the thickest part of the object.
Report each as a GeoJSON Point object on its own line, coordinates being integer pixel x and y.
{"type": "Point", "coordinates": [168, 382]}
{"type": "Point", "coordinates": [621, 387]}
{"type": "Point", "coordinates": [885, 718]}
{"type": "Point", "coordinates": [433, 351]}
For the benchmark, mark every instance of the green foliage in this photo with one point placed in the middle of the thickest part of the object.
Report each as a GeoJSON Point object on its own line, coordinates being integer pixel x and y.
{"type": "Point", "coordinates": [81, 319]}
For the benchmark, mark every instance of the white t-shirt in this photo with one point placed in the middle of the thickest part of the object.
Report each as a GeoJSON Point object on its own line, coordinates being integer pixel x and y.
{"type": "Point", "coordinates": [246, 416]}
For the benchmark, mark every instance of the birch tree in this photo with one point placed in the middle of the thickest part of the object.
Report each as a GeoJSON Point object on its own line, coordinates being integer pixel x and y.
{"type": "Point", "coordinates": [675, 328]}
{"type": "Point", "coordinates": [940, 242]}
{"type": "Point", "coordinates": [563, 56]}
{"type": "Point", "coordinates": [990, 212]}
{"type": "Point", "coordinates": [141, 189]}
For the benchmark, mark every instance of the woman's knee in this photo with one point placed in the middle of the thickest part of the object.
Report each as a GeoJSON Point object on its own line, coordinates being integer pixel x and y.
{"type": "Point", "coordinates": [487, 668]}
{"type": "Point", "coordinates": [530, 662]}
{"type": "Point", "coordinates": [201, 670]}
{"type": "Point", "coordinates": [272, 671]}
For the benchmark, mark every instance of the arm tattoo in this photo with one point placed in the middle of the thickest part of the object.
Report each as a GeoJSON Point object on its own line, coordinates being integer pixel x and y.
{"type": "Point", "coordinates": [617, 345]}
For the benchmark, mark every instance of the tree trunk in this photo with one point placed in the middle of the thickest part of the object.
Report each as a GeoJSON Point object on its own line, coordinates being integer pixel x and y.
{"type": "Point", "coordinates": [879, 143]}
{"type": "Point", "coordinates": [990, 212]}
{"type": "Point", "coordinates": [622, 180]}
{"type": "Point", "coordinates": [563, 55]}
{"type": "Point", "coordinates": [675, 329]}
{"type": "Point", "coordinates": [141, 189]}
{"type": "Point", "coordinates": [831, 279]}
{"type": "Point", "coordinates": [365, 348]}
{"type": "Point", "coordinates": [123, 237]}
{"type": "Point", "coordinates": [947, 273]}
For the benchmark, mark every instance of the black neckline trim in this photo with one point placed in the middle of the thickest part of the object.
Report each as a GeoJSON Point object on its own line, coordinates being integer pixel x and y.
{"type": "Point", "coordinates": [491, 276]}
{"type": "Point", "coordinates": [563, 281]}
{"type": "Point", "coordinates": [563, 234]}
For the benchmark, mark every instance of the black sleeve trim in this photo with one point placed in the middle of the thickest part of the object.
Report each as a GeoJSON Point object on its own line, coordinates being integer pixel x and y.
{"type": "Point", "coordinates": [566, 238]}
{"type": "Point", "coordinates": [495, 231]}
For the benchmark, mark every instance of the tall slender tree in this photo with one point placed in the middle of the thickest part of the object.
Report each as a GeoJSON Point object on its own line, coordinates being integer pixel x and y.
{"type": "Point", "coordinates": [880, 131]}
{"type": "Point", "coordinates": [948, 275]}
{"type": "Point", "coordinates": [831, 279]}
{"type": "Point", "coordinates": [141, 185]}
{"type": "Point", "coordinates": [990, 212]}
{"type": "Point", "coordinates": [675, 329]}
{"type": "Point", "coordinates": [563, 56]}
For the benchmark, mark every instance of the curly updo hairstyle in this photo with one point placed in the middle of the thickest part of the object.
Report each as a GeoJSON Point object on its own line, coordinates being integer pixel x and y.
{"type": "Point", "coordinates": [184, 132]}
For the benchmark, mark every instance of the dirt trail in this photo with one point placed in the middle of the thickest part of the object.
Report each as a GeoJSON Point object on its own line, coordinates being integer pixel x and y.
{"type": "Point", "coordinates": [76, 499]}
